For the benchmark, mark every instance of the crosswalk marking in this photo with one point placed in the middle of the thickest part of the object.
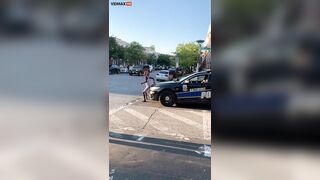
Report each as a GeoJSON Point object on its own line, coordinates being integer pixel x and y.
{"type": "Point", "coordinates": [195, 112]}
{"type": "Point", "coordinates": [113, 111]}
{"type": "Point", "coordinates": [115, 119]}
{"type": "Point", "coordinates": [137, 114]}
{"type": "Point", "coordinates": [181, 118]}
{"type": "Point", "coordinates": [204, 126]}
{"type": "Point", "coordinates": [145, 119]}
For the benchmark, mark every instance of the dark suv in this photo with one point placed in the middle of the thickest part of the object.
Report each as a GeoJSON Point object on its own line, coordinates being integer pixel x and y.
{"type": "Point", "coordinates": [114, 69]}
{"type": "Point", "coordinates": [137, 70]}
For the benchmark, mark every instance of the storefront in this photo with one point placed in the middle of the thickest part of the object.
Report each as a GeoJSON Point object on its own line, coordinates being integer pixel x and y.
{"type": "Point", "coordinates": [206, 51]}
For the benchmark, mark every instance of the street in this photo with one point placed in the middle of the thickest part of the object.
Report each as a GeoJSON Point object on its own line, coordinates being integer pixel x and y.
{"type": "Point", "coordinates": [150, 141]}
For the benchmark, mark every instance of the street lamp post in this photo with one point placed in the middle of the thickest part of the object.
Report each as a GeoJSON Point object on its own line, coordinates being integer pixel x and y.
{"type": "Point", "coordinates": [199, 57]}
{"type": "Point", "coordinates": [176, 58]}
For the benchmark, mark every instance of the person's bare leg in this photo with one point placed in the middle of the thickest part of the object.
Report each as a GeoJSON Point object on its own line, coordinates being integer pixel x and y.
{"type": "Point", "coordinates": [144, 97]}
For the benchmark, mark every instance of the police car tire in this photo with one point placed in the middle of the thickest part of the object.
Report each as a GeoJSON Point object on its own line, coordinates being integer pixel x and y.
{"type": "Point", "coordinates": [164, 102]}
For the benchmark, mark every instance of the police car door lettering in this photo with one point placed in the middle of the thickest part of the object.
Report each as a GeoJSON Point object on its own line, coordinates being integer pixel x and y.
{"type": "Point", "coordinates": [206, 94]}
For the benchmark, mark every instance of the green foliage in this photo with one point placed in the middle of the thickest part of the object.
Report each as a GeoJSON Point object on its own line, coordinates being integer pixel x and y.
{"type": "Point", "coordinates": [164, 59]}
{"type": "Point", "coordinates": [187, 54]}
{"type": "Point", "coordinates": [153, 48]}
{"type": "Point", "coordinates": [115, 51]}
{"type": "Point", "coordinates": [134, 54]}
{"type": "Point", "coordinates": [151, 59]}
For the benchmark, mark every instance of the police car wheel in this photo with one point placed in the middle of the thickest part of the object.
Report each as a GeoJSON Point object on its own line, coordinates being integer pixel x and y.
{"type": "Point", "coordinates": [167, 98]}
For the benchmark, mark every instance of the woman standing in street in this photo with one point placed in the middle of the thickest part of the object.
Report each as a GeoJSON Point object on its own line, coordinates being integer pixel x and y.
{"type": "Point", "coordinates": [147, 83]}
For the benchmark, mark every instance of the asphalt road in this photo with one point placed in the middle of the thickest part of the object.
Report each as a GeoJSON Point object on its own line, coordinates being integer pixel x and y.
{"type": "Point", "coordinates": [124, 89]}
{"type": "Point", "coordinates": [149, 141]}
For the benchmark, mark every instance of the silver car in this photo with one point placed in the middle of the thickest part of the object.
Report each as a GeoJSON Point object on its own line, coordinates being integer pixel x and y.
{"type": "Point", "coordinates": [164, 75]}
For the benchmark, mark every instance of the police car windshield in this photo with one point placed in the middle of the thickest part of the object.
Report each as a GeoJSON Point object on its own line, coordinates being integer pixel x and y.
{"type": "Point", "coordinates": [185, 77]}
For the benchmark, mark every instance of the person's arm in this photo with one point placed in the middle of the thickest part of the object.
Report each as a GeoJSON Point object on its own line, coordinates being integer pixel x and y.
{"type": "Point", "coordinates": [145, 81]}
{"type": "Point", "coordinates": [154, 82]}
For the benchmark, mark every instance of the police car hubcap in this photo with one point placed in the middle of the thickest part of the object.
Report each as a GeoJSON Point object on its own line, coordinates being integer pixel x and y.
{"type": "Point", "coordinates": [167, 98]}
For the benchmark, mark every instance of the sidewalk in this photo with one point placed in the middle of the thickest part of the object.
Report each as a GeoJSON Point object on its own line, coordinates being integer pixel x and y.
{"type": "Point", "coordinates": [149, 141]}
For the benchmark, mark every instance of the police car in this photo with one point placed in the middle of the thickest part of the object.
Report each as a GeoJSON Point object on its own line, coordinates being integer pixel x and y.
{"type": "Point", "coordinates": [192, 88]}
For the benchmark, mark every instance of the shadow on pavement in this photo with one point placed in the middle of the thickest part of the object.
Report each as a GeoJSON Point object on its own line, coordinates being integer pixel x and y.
{"type": "Point", "coordinates": [162, 145]}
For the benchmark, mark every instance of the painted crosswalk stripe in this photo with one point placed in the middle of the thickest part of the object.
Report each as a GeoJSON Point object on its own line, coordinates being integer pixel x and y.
{"type": "Point", "coordinates": [145, 119]}
{"type": "Point", "coordinates": [181, 118]}
{"type": "Point", "coordinates": [115, 119]}
{"type": "Point", "coordinates": [137, 114]}
{"type": "Point", "coordinates": [158, 126]}
{"type": "Point", "coordinates": [113, 111]}
{"type": "Point", "coordinates": [195, 112]}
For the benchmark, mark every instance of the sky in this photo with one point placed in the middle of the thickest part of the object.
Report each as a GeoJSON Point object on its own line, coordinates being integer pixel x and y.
{"type": "Point", "coordinates": [162, 23]}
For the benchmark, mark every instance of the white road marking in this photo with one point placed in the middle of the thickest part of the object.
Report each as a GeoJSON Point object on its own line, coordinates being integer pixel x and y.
{"type": "Point", "coordinates": [158, 126]}
{"type": "Point", "coordinates": [140, 138]}
{"type": "Point", "coordinates": [145, 119]}
{"type": "Point", "coordinates": [137, 114]}
{"type": "Point", "coordinates": [206, 121]}
{"type": "Point", "coordinates": [112, 111]}
{"type": "Point", "coordinates": [181, 118]}
{"type": "Point", "coordinates": [207, 151]}
{"type": "Point", "coordinates": [127, 129]}
{"type": "Point", "coordinates": [115, 119]}
{"type": "Point", "coordinates": [195, 112]}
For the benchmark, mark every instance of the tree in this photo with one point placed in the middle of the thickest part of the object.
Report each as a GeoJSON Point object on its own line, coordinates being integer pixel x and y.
{"type": "Point", "coordinates": [153, 48]}
{"type": "Point", "coordinates": [115, 50]}
{"type": "Point", "coordinates": [163, 59]}
{"type": "Point", "coordinates": [151, 59]}
{"type": "Point", "coordinates": [135, 53]}
{"type": "Point", "coordinates": [187, 54]}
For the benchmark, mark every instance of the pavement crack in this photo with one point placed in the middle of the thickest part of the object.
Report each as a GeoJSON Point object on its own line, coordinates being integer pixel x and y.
{"type": "Point", "coordinates": [149, 119]}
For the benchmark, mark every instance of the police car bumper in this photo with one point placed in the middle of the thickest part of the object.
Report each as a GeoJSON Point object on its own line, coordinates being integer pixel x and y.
{"type": "Point", "coordinates": [154, 95]}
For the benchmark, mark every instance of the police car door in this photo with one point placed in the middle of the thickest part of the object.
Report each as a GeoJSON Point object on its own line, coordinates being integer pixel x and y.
{"type": "Point", "coordinates": [195, 88]}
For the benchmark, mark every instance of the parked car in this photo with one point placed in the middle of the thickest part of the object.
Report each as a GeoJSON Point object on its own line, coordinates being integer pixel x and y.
{"type": "Point", "coordinates": [195, 88]}
{"type": "Point", "coordinates": [173, 72]}
{"type": "Point", "coordinates": [136, 70]}
{"type": "Point", "coordinates": [158, 68]}
{"type": "Point", "coordinates": [146, 66]}
{"type": "Point", "coordinates": [164, 75]}
{"type": "Point", "coordinates": [114, 69]}
{"type": "Point", "coordinates": [123, 69]}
